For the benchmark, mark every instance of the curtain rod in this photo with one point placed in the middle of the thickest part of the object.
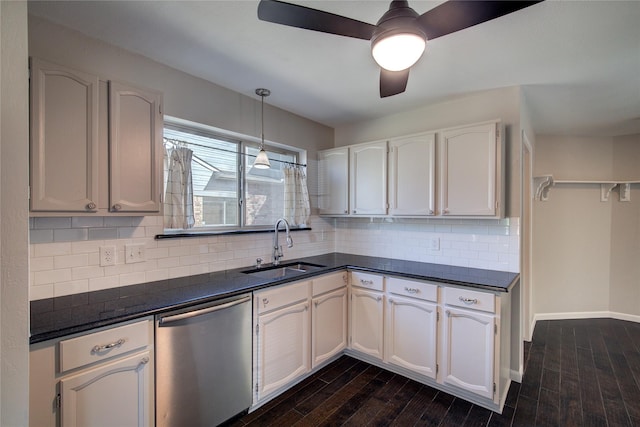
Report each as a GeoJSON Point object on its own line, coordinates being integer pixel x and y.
{"type": "Point", "coordinates": [178, 141]}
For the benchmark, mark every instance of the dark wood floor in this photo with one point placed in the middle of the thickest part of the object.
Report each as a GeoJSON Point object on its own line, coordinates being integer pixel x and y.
{"type": "Point", "coordinates": [577, 373]}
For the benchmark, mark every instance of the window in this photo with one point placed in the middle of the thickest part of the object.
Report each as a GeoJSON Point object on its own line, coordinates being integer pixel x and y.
{"type": "Point", "coordinates": [224, 198]}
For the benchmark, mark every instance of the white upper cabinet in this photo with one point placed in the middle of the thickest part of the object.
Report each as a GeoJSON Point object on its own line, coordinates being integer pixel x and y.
{"type": "Point", "coordinates": [412, 175]}
{"type": "Point", "coordinates": [64, 139]}
{"type": "Point", "coordinates": [470, 176]}
{"type": "Point", "coordinates": [135, 130]}
{"type": "Point", "coordinates": [368, 178]}
{"type": "Point", "coordinates": [333, 181]}
{"type": "Point", "coordinates": [96, 146]}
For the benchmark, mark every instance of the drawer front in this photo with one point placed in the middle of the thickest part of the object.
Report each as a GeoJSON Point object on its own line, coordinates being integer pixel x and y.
{"type": "Point", "coordinates": [484, 301]}
{"type": "Point", "coordinates": [367, 280]}
{"type": "Point", "coordinates": [80, 351]}
{"type": "Point", "coordinates": [329, 282]}
{"type": "Point", "coordinates": [281, 296]}
{"type": "Point", "coordinates": [410, 288]}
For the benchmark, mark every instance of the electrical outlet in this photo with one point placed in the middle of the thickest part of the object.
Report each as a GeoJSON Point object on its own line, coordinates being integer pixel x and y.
{"type": "Point", "coordinates": [134, 253]}
{"type": "Point", "coordinates": [107, 256]}
{"type": "Point", "coordinates": [434, 244]}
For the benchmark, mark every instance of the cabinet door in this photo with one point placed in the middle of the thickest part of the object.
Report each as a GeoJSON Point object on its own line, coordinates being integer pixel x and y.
{"type": "Point", "coordinates": [368, 178]}
{"type": "Point", "coordinates": [367, 322]}
{"type": "Point", "coordinates": [64, 139]}
{"type": "Point", "coordinates": [412, 175]}
{"type": "Point", "coordinates": [411, 335]}
{"type": "Point", "coordinates": [469, 183]}
{"type": "Point", "coordinates": [283, 347]}
{"type": "Point", "coordinates": [135, 167]}
{"type": "Point", "coordinates": [112, 394]}
{"type": "Point", "coordinates": [468, 352]}
{"type": "Point", "coordinates": [334, 181]}
{"type": "Point", "coordinates": [328, 325]}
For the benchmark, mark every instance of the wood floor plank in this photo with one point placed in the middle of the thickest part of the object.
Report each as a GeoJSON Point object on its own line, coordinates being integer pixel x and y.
{"type": "Point", "coordinates": [502, 420]}
{"type": "Point", "coordinates": [593, 409]}
{"type": "Point", "coordinates": [457, 413]}
{"type": "Point", "coordinates": [548, 412]}
{"type": "Point", "coordinates": [550, 380]}
{"type": "Point", "coordinates": [533, 375]}
{"type": "Point", "coordinates": [396, 404]}
{"type": "Point", "coordinates": [570, 411]}
{"type": "Point", "coordinates": [436, 410]}
{"type": "Point", "coordinates": [415, 407]}
{"type": "Point", "coordinates": [512, 394]}
{"type": "Point", "coordinates": [385, 389]}
{"type": "Point", "coordinates": [525, 412]}
{"type": "Point", "coordinates": [478, 417]}
{"type": "Point", "coordinates": [629, 389]}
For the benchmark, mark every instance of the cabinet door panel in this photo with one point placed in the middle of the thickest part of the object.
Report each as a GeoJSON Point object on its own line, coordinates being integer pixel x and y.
{"type": "Point", "coordinates": [283, 347]}
{"type": "Point", "coordinates": [367, 322]}
{"type": "Point", "coordinates": [64, 139]}
{"type": "Point", "coordinates": [135, 149]}
{"type": "Point", "coordinates": [412, 175]}
{"type": "Point", "coordinates": [328, 325]}
{"type": "Point", "coordinates": [114, 394]}
{"type": "Point", "coordinates": [468, 171]}
{"type": "Point", "coordinates": [468, 353]}
{"type": "Point", "coordinates": [368, 183]}
{"type": "Point", "coordinates": [411, 335]}
{"type": "Point", "coordinates": [333, 181]}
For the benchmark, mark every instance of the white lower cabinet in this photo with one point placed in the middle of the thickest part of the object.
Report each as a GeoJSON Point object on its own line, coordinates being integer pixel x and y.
{"type": "Point", "coordinates": [282, 337]}
{"type": "Point", "coordinates": [328, 325]}
{"type": "Point", "coordinates": [101, 379]}
{"type": "Point", "coordinates": [113, 394]}
{"type": "Point", "coordinates": [366, 314]}
{"type": "Point", "coordinates": [411, 334]}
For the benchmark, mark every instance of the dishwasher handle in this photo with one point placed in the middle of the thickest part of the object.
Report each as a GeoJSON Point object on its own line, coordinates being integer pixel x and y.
{"type": "Point", "coordinates": [174, 318]}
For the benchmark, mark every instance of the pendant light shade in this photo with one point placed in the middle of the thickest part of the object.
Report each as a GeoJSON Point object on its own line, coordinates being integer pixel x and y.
{"type": "Point", "coordinates": [262, 160]}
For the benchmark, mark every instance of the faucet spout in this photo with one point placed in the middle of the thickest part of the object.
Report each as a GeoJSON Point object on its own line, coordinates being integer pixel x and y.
{"type": "Point", "coordinates": [277, 249]}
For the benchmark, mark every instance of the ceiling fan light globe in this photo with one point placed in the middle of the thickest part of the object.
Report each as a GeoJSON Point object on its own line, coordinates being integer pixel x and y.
{"type": "Point", "coordinates": [262, 160]}
{"type": "Point", "coordinates": [398, 51]}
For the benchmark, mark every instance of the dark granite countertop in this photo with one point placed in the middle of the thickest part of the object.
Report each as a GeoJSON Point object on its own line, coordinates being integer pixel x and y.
{"type": "Point", "coordinates": [56, 317]}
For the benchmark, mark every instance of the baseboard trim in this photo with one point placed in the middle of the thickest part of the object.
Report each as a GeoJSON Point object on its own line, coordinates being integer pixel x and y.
{"type": "Point", "coordinates": [584, 315]}
{"type": "Point", "coordinates": [515, 376]}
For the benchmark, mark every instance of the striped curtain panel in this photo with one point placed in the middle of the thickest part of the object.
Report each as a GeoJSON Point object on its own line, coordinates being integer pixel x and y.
{"type": "Point", "coordinates": [296, 196]}
{"type": "Point", "coordinates": [178, 200]}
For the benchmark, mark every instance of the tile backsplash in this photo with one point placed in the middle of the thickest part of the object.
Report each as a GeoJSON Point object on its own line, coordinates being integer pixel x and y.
{"type": "Point", "coordinates": [65, 251]}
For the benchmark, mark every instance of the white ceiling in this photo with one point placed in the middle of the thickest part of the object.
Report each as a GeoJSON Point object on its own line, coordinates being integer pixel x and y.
{"type": "Point", "coordinates": [579, 61]}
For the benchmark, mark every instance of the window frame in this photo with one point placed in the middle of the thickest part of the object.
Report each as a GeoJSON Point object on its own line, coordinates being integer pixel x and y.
{"type": "Point", "coordinates": [243, 143]}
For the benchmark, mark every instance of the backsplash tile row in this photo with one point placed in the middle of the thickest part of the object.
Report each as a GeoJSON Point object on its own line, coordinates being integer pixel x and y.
{"type": "Point", "coordinates": [64, 252]}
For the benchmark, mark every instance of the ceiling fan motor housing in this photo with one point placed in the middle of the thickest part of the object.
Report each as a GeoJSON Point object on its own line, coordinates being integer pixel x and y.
{"type": "Point", "coordinates": [400, 18]}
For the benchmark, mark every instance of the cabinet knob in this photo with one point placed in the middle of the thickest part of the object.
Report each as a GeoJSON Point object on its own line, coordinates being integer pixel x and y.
{"type": "Point", "coordinates": [117, 207]}
{"type": "Point", "coordinates": [431, 212]}
{"type": "Point", "coordinates": [91, 206]}
{"type": "Point", "coordinates": [354, 211]}
{"type": "Point", "coordinates": [346, 211]}
{"type": "Point", "coordinates": [144, 360]}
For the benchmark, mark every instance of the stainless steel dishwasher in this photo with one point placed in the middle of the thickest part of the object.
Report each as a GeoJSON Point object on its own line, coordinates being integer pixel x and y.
{"type": "Point", "coordinates": [203, 363]}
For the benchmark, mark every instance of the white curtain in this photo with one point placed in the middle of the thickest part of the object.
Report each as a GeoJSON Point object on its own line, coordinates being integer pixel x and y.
{"type": "Point", "coordinates": [178, 200]}
{"type": "Point", "coordinates": [296, 196]}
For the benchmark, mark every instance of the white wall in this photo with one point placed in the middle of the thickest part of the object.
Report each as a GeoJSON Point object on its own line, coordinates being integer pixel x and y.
{"type": "Point", "coordinates": [64, 251]}
{"type": "Point", "coordinates": [586, 251]}
{"type": "Point", "coordinates": [14, 138]}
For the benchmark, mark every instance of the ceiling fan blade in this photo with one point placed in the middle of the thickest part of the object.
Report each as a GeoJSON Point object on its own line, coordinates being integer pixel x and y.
{"type": "Point", "coordinates": [298, 16]}
{"type": "Point", "coordinates": [393, 82]}
{"type": "Point", "coordinates": [457, 15]}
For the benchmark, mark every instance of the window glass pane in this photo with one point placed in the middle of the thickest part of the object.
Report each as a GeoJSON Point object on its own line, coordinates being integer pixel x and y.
{"type": "Point", "coordinates": [264, 188]}
{"type": "Point", "coordinates": [214, 168]}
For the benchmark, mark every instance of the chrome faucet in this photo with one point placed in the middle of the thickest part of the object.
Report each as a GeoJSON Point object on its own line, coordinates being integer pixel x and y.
{"type": "Point", "coordinates": [277, 249]}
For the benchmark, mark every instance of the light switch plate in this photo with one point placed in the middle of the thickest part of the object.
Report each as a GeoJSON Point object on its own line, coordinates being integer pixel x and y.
{"type": "Point", "coordinates": [134, 253]}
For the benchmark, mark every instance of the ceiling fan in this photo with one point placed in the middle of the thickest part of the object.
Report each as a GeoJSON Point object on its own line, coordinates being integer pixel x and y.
{"type": "Point", "coordinates": [399, 37]}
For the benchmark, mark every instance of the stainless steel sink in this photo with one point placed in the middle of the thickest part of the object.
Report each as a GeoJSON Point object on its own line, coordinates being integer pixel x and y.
{"type": "Point", "coordinates": [283, 270]}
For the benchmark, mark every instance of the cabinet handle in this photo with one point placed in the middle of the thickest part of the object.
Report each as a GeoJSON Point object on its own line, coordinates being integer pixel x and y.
{"type": "Point", "coordinates": [378, 299]}
{"type": "Point", "coordinates": [412, 290]}
{"type": "Point", "coordinates": [366, 282]}
{"type": "Point", "coordinates": [144, 360]}
{"type": "Point", "coordinates": [468, 300]}
{"type": "Point", "coordinates": [117, 207]}
{"type": "Point", "coordinates": [99, 348]}
{"type": "Point", "coordinates": [448, 313]}
{"type": "Point", "coordinates": [445, 211]}
{"type": "Point", "coordinates": [91, 206]}
{"type": "Point", "coordinates": [431, 212]}
{"type": "Point", "coordinates": [265, 301]}
{"type": "Point", "coordinates": [316, 303]}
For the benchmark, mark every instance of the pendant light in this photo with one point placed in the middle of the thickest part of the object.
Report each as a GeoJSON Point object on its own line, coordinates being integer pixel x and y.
{"type": "Point", "coordinates": [262, 160]}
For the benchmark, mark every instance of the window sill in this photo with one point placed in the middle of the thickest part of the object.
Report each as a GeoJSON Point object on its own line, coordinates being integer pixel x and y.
{"type": "Point", "coordinates": [190, 234]}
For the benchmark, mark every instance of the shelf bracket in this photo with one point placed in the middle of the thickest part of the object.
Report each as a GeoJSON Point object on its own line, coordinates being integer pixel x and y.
{"type": "Point", "coordinates": [605, 190]}
{"type": "Point", "coordinates": [542, 185]}
{"type": "Point", "coordinates": [625, 191]}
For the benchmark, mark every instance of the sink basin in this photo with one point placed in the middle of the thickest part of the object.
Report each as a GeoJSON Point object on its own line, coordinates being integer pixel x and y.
{"type": "Point", "coordinates": [283, 270]}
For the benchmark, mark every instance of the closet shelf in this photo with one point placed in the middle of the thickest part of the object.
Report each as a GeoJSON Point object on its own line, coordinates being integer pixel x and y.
{"type": "Point", "coordinates": [544, 183]}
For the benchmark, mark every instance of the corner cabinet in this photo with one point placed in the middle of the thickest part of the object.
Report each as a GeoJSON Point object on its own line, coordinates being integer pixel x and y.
{"type": "Point", "coordinates": [368, 178]}
{"type": "Point", "coordinates": [471, 183]}
{"type": "Point", "coordinates": [95, 144]}
{"type": "Point", "coordinates": [333, 181]}
{"type": "Point", "coordinates": [328, 317]}
{"type": "Point", "coordinates": [367, 326]}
